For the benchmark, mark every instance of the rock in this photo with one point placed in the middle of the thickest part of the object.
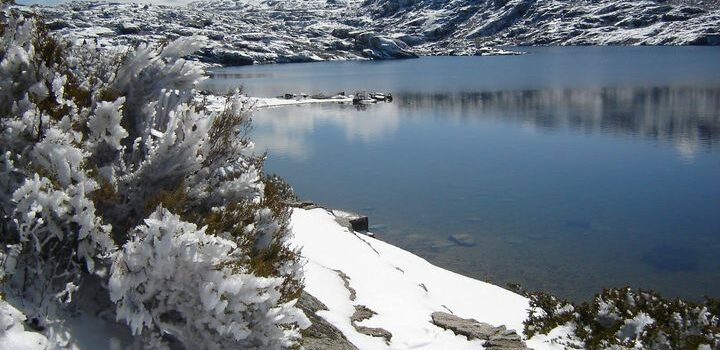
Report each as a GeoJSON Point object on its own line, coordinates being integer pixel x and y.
{"type": "Point", "coordinates": [321, 335]}
{"type": "Point", "coordinates": [375, 332]}
{"type": "Point", "coordinates": [227, 57]}
{"type": "Point", "coordinates": [380, 47]}
{"type": "Point", "coordinates": [307, 205]}
{"type": "Point", "coordinates": [440, 245]}
{"type": "Point", "coordinates": [128, 28]}
{"type": "Point", "coordinates": [57, 25]}
{"type": "Point", "coordinates": [363, 313]}
{"type": "Point", "coordinates": [341, 33]}
{"type": "Point", "coordinates": [470, 328]}
{"type": "Point", "coordinates": [359, 223]}
{"type": "Point", "coordinates": [352, 221]}
{"type": "Point", "coordinates": [497, 338]}
{"type": "Point", "coordinates": [412, 40]}
{"type": "Point", "coordinates": [462, 239]}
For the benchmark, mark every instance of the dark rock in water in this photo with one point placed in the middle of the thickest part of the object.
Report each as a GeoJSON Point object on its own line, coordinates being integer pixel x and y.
{"type": "Point", "coordinates": [496, 337]}
{"type": "Point", "coordinates": [321, 335]}
{"type": "Point", "coordinates": [672, 258]}
{"type": "Point", "coordinates": [578, 224]}
{"type": "Point", "coordinates": [462, 239]}
{"type": "Point", "coordinates": [439, 245]}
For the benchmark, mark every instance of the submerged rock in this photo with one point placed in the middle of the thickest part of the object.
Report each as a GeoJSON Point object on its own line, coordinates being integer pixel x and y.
{"type": "Point", "coordinates": [462, 239]}
{"type": "Point", "coordinates": [440, 245]}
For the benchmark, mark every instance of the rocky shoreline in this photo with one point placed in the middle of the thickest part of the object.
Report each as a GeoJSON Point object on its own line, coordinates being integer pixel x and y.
{"type": "Point", "coordinates": [241, 32]}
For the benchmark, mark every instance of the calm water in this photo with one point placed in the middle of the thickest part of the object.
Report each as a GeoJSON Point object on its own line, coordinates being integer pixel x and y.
{"type": "Point", "coordinates": [572, 168]}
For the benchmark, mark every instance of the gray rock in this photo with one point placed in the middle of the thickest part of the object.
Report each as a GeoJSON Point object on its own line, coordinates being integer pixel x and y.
{"type": "Point", "coordinates": [352, 221]}
{"type": "Point", "coordinates": [227, 57]}
{"type": "Point", "coordinates": [497, 338]}
{"type": "Point", "coordinates": [380, 47]}
{"type": "Point", "coordinates": [301, 204]}
{"type": "Point", "coordinates": [462, 239]}
{"type": "Point", "coordinates": [470, 328]}
{"type": "Point", "coordinates": [321, 335]}
{"type": "Point", "coordinates": [363, 313]}
{"type": "Point", "coordinates": [128, 28]}
{"type": "Point", "coordinates": [375, 332]}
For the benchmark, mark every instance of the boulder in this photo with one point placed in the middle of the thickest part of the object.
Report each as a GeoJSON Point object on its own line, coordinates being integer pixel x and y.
{"type": "Point", "coordinates": [353, 222]}
{"type": "Point", "coordinates": [379, 47]}
{"type": "Point", "coordinates": [227, 57]}
{"type": "Point", "coordinates": [128, 28]}
{"type": "Point", "coordinates": [321, 335]}
{"type": "Point", "coordinates": [495, 337]}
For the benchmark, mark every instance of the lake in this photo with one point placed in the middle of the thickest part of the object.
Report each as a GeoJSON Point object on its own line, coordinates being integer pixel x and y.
{"type": "Point", "coordinates": [571, 168]}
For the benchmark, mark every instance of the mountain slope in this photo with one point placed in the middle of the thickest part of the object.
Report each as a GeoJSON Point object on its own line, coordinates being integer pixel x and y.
{"type": "Point", "coordinates": [269, 31]}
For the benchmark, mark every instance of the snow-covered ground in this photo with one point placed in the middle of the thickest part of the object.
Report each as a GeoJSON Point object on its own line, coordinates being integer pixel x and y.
{"type": "Point", "coordinates": [402, 288]}
{"type": "Point", "coordinates": [243, 32]}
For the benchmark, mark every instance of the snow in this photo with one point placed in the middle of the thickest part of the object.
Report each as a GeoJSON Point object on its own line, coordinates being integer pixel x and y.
{"type": "Point", "coordinates": [257, 31]}
{"type": "Point", "coordinates": [393, 282]}
{"type": "Point", "coordinates": [12, 332]}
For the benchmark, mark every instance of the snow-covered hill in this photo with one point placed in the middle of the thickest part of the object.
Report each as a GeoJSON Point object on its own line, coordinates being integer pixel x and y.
{"type": "Point", "coordinates": [267, 31]}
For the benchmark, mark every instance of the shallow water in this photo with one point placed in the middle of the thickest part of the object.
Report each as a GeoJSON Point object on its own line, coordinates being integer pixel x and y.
{"type": "Point", "coordinates": [572, 169]}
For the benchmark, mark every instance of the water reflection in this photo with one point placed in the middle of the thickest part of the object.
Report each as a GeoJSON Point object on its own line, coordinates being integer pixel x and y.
{"type": "Point", "coordinates": [685, 116]}
{"type": "Point", "coordinates": [689, 115]}
{"type": "Point", "coordinates": [286, 131]}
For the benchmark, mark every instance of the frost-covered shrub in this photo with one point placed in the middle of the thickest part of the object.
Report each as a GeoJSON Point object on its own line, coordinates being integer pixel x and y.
{"type": "Point", "coordinates": [627, 319]}
{"type": "Point", "coordinates": [51, 233]}
{"type": "Point", "coordinates": [111, 162]}
{"type": "Point", "coordinates": [175, 278]}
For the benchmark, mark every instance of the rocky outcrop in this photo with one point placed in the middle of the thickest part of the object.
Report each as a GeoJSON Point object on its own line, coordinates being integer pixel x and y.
{"type": "Point", "coordinates": [243, 32]}
{"type": "Point", "coordinates": [496, 338]}
{"type": "Point", "coordinates": [353, 222]}
{"type": "Point", "coordinates": [363, 313]}
{"type": "Point", "coordinates": [227, 57]}
{"type": "Point", "coordinates": [321, 335]}
{"type": "Point", "coordinates": [379, 47]}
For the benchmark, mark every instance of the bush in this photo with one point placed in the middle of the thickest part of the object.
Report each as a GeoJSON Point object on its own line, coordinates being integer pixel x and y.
{"type": "Point", "coordinates": [627, 319]}
{"type": "Point", "coordinates": [112, 163]}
